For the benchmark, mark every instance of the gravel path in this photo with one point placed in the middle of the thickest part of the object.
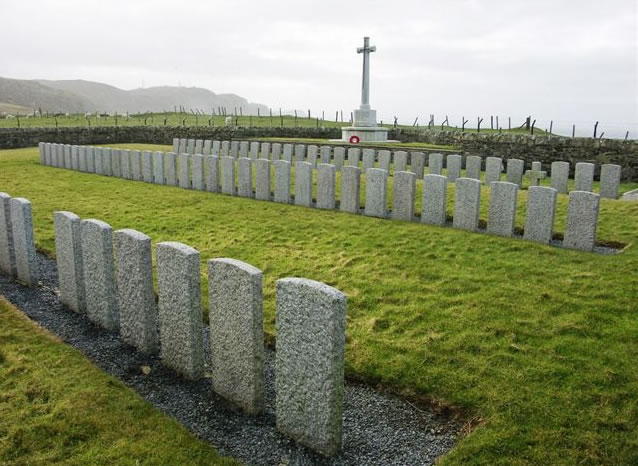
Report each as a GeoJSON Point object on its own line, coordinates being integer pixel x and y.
{"type": "Point", "coordinates": [378, 429]}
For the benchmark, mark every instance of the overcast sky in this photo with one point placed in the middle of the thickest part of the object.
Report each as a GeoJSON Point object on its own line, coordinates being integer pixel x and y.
{"type": "Point", "coordinates": [573, 61]}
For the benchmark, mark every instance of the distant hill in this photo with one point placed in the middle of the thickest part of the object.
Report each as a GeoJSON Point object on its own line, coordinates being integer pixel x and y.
{"type": "Point", "coordinates": [87, 96]}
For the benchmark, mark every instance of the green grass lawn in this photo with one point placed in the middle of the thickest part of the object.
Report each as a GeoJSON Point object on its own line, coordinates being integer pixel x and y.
{"type": "Point", "coordinates": [535, 344]}
{"type": "Point", "coordinates": [58, 408]}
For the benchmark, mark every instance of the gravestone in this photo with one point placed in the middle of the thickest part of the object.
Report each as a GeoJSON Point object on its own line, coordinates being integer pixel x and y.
{"type": "Point", "coordinates": [82, 158]}
{"type": "Point", "coordinates": [243, 149]}
{"type": "Point", "coordinates": [212, 173]}
{"type": "Point", "coordinates": [234, 149]}
{"type": "Point", "coordinates": [300, 152]}
{"type": "Point", "coordinates": [175, 144]}
{"type": "Point", "coordinates": [75, 160]}
{"type": "Point", "coordinates": [385, 158]}
{"type": "Point", "coordinates": [67, 156]}
{"type": "Point", "coordinates": [584, 177]}
{"type": "Point", "coordinates": [207, 147]}
{"type": "Point", "coordinates": [350, 189]}
{"type": "Point", "coordinates": [182, 146]}
{"type": "Point", "coordinates": [287, 153]}
{"type": "Point", "coordinates": [107, 161]}
{"type": "Point", "coordinates": [541, 207]}
{"type": "Point", "coordinates": [515, 169]}
{"type": "Point", "coordinates": [404, 189]}
{"type": "Point", "coordinates": [434, 199]}
{"type": "Point", "coordinates": [170, 164]}
{"type": "Point", "coordinates": [99, 273]}
{"type": "Point", "coordinates": [199, 147]}
{"type": "Point", "coordinates": [454, 163]}
{"type": "Point", "coordinates": [190, 146]}
{"type": "Point", "coordinates": [312, 155]}
{"type": "Point", "coordinates": [7, 251]}
{"type": "Point", "coordinates": [136, 297]}
{"type": "Point", "coordinates": [180, 309]}
{"type": "Point", "coordinates": [276, 151]}
{"type": "Point", "coordinates": [326, 152]}
{"type": "Point", "coordinates": [326, 182]}
{"type": "Point", "coordinates": [197, 166]}
{"type": "Point", "coordinates": [536, 174]}
{"type": "Point", "coordinates": [467, 204]}
{"type": "Point", "coordinates": [560, 176]}
{"type": "Point", "coordinates": [582, 220]}
{"type": "Point", "coordinates": [417, 161]}
{"type": "Point", "coordinates": [265, 151]}
{"type": "Point", "coordinates": [282, 181]}
{"type": "Point", "coordinates": [262, 180]}
{"type": "Point", "coordinates": [493, 169]}
{"type": "Point", "coordinates": [216, 148]}
{"type": "Point", "coordinates": [245, 172]}
{"type": "Point", "coordinates": [225, 148]}
{"type": "Point", "coordinates": [473, 167]}
{"type": "Point", "coordinates": [125, 164]}
{"type": "Point", "coordinates": [23, 240]}
{"type": "Point", "coordinates": [609, 180]}
{"type": "Point", "coordinates": [184, 170]}
{"type": "Point", "coordinates": [158, 167]}
{"type": "Point", "coordinates": [68, 257]}
{"type": "Point", "coordinates": [435, 164]}
{"type": "Point", "coordinates": [339, 157]}
{"type": "Point", "coordinates": [400, 161]}
{"type": "Point", "coordinates": [236, 333]}
{"type": "Point", "coordinates": [309, 366]}
{"type": "Point", "coordinates": [376, 193]}
{"type": "Point", "coordinates": [502, 213]}
{"type": "Point", "coordinates": [303, 184]}
{"type": "Point", "coordinates": [136, 170]}
{"type": "Point", "coordinates": [99, 161]}
{"type": "Point", "coordinates": [147, 166]}
{"type": "Point", "coordinates": [116, 163]}
{"type": "Point", "coordinates": [354, 155]}
{"type": "Point", "coordinates": [228, 175]}
{"type": "Point", "coordinates": [368, 159]}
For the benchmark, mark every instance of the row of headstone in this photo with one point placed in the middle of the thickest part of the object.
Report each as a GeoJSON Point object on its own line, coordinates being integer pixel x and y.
{"type": "Point", "coordinates": [235, 178]}
{"type": "Point", "coordinates": [309, 316]}
{"type": "Point", "coordinates": [17, 244]}
{"type": "Point", "coordinates": [399, 161]}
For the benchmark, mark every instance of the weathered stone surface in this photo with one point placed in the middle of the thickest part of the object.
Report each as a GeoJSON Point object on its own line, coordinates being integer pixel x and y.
{"type": "Point", "coordinates": [417, 163]}
{"type": "Point", "coordinates": [67, 156]}
{"type": "Point", "coordinates": [99, 273]}
{"type": "Point", "coordinates": [184, 170]}
{"type": "Point", "coordinates": [81, 158]}
{"type": "Point", "coordinates": [147, 166]}
{"type": "Point", "coordinates": [300, 152]}
{"type": "Point", "coordinates": [125, 164]}
{"type": "Point", "coordinates": [207, 147]}
{"type": "Point", "coordinates": [7, 251]}
{"type": "Point", "coordinates": [170, 165]}
{"type": "Point", "coordinates": [175, 144]}
{"type": "Point", "coordinates": [400, 161]}
{"type": "Point", "coordinates": [536, 174]}
{"type": "Point", "coordinates": [385, 158]}
{"type": "Point", "coordinates": [136, 167]}
{"type": "Point", "coordinates": [54, 155]}
{"type": "Point", "coordinates": [254, 150]}
{"type": "Point", "coordinates": [311, 155]}
{"type": "Point", "coordinates": [99, 167]}
{"type": "Point", "coordinates": [180, 309]}
{"type": "Point", "coordinates": [245, 171]}
{"type": "Point", "coordinates": [376, 193]}
{"type": "Point", "coordinates": [584, 177]}
{"type": "Point", "coordinates": [541, 206]}
{"type": "Point", "coordinates": [502, 213]}
{"type": "Point", "coordinates": [236, 333]}
{"type": "Point", "coordinates": [303, 184]}
{"type": "Point", "coordinates": [75, 160]}
{"type": "Point", "coordinates": [466, 204]}
{"type": "Point", "coordinates": [276, 151]}
{"type": "Point", "coordinates": [228, 175]}
{"type": "Point", "coordinates": [116, 162]}
{"type": "Point", "coordinates": [326, 179]}
{"type": "Point", "coordinates": [90, 159]}
{"type": "Point", "coordinates": [216, 149]}
{"type": "Point", "coordinates": [404, 189]}
{"type": "Point", "coordinates": [23, 240]}
{"type": "Point", "coordinates": [234, 149]}
{"type": "Point", "coordinates": [560, 176]}
{"type": "Point", "coordinates": [158, 168]}
{"type": "Point", "coordinates": [326, 153]}
{"type": "Point", "coordinates": [282, 181]}
{"type": "Point", "coordinates": [262, 179]}
{"type": "Point", "coordinates": [454, 163]}
{"type": "Point", "coordinates": [212, 173]}
{"type": "Point", "coordinates": [225, 148]}
{"type": "Point", "coordinates": [68, 256]}
{"type": "Point", "coordinates": [136, 297]}
{"type": "Point", "coordinates": [107, 161]}
{"type": "Point", "coordinates": [493, 169]}
{"type": "Point", "coordinates": [582, 220]}
{"type": "Point", "coordinates": [197, 166]}
{"type": "Point", "coordinates": [339, 157]}
{"type": "Point", "coordinates": [287, 153]}
{"type": "Point", "coordinates": [369, 156]}
{"type": "Point", "coordinates": [41, 150]}
{"type": "Point", "coordinates": [199, 147]}
{"type": "Point", "coordinates": [473, 167]}
{"type": "Point", "coordinates": [434, 199]}
{"type": "Point", "coordinates": [182, 146]}
{"type": "Point", "coordinates": [264, 151]}
{"type": "Point", "coordinates": [309, 367]}
{"type": "Point", "coordinates": [243, 149]}
{"type": "Point", "coordinates": [190, 146]}
{"type": "Point", "coordinates": [435, 164]}
{"type": "Point", "coordinates": [609, 180]}
{"type": "Point", "coordinates": [350, 189]}
{"type": "Point", "coordinates": [515, 169]}
{"type": "Point", "coordinates": [354, 156]}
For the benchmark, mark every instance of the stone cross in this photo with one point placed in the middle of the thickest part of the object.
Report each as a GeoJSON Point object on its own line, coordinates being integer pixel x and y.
{"type": "Point", "coordinates": [365, 86]}
{"type": "Point", "coordinates": [535, 174]}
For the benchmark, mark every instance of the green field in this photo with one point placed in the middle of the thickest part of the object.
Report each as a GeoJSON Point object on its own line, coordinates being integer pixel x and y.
{"type": "Point", "coordinates": [190, 119]}
{"type": "Point", "coordinates": [534, 345]}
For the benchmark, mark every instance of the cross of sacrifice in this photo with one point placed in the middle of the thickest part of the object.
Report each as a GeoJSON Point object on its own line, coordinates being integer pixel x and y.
{"type": "Point", "coordinates": [365, 86]}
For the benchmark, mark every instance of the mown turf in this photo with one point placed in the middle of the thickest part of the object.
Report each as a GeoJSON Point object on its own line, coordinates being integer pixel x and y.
{"type": "Point", "coordinates": [536, 342]}
{"type": "Point", "coordinates": [57, 408]}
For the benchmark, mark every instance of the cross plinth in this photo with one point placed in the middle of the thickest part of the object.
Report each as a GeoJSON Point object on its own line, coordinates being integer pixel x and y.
{"type": "Point", "coordinates": [535, 174]}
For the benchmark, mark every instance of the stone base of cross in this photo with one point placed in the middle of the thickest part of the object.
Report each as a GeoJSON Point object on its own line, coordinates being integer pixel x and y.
{"type": "Point", "coordinates": [535, 174]}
